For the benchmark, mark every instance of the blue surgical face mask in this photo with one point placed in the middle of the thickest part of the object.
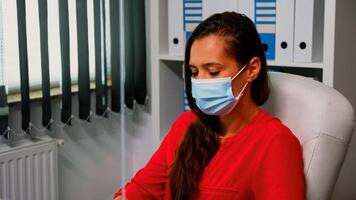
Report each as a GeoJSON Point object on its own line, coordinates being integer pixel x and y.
{"type": "Point", "coordinates": [214, 96]}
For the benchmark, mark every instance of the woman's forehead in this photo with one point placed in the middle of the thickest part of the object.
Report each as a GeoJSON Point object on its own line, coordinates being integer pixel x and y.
{"type": "Point", "coordinates": [210, 49]}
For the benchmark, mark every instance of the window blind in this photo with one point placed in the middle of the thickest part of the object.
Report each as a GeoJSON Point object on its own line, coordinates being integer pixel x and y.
{"type": "Point", "coordinates": [46, 96]}
{"type": "Point", "coordinates": [135, 52]}
{"type": "Point", "coordinates": [100, 60]}
{"type": "Point", "coordinates": [139, 44]}
{"type": "Point", "coordinates": [4, 111]}
{"type": "Point", "coordinates": [115, 54]}
{"type": "Point", "coordinates": [60, 43]}
{"type": "Point", "coordinates": [1, 48]}
{"type": "Point", "coordinates": [23, 57]}
{"type": "Point", "coordinates": [83, 60]}
{"type": "Point", "coordinates": [3, 102]}
{"type": "Point", "coordinates": [129, 53]}
{"type": "Point", "coordinates": [66, 106]}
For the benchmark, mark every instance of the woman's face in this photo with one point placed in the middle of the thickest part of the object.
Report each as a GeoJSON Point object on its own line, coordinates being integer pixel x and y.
{"type": "Point", "coordinates": [209, 59]}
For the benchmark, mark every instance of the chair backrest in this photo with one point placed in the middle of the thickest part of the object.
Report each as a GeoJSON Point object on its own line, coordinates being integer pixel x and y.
{"type": "Point", "coordinates": [322, 119]}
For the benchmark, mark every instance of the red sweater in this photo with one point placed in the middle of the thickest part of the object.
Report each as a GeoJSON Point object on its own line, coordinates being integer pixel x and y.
{"type": "Point", "coordinates": [261, 161]}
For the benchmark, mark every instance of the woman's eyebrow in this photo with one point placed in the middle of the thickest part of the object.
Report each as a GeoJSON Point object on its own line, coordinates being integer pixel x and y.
{"type": "Point", "coordinates": [192, 66]}
{"type": "Point", "coordinates": [213, 64]}
{"type": "Point", "coordinates": [208, 65]}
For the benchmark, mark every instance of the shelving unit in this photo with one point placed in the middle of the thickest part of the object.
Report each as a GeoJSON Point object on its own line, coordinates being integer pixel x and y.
{"type": "Point", "coordinates": [167, 84]}
{"type": "Point", "coordinates": [318, 65]}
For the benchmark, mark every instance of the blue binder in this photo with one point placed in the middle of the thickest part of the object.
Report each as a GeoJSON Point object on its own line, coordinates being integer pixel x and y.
{"type": "Point", "coordinates": [192, 16]}
{"type": "Point", "coordinates": [265, 20]}
{"type": "Point", "coordinates": [185, 106]}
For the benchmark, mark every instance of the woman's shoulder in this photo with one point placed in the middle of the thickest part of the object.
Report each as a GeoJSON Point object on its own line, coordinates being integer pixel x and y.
{"type": "Point", "coordinates": [274, 129]}
{"type": "Point", "coordinates": [186, 117]}
{"type": "Point", "coordinates": [183, 120]}
{"type": "Point", "coordinates": [181, 124]}
{"type": "Point", "coordinates": [176, 133]}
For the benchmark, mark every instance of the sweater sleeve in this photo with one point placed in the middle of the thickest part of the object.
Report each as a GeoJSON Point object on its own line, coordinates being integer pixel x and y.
{"type": "Point", "coordinates": [280, 174]}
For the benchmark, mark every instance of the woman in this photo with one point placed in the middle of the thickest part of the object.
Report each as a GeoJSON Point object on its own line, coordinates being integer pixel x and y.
{"type": "Point", "coordinates": [226, 147]}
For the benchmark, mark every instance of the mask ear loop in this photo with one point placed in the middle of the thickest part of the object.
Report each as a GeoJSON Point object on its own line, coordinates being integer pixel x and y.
{"type": "Point", "coordinates": [243, 89]}
{"type": "Point", "coordinates": [239, 72]}
{"type": "Point", "coordinates": [241, 92]}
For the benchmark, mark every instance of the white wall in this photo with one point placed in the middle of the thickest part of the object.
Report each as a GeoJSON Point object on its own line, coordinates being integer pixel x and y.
{"type": "Point", "coordinates": [345, 54]}
{"type": "Point", "coordinates": [89, 163]}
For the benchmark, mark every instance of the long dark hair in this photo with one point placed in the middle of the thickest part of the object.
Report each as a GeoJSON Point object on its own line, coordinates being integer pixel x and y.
{"type": "Point", "coordinates": [201, 141]}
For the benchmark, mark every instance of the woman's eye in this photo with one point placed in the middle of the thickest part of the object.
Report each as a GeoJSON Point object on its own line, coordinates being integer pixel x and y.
{"type": "Point", "coordinates": [214, 73]}
{"type": "Point", "coordinates": [194, 74]}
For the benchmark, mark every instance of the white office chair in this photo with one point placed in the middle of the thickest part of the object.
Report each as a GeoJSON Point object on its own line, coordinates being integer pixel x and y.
{"type": "Point", "coordinates": [322, 119]}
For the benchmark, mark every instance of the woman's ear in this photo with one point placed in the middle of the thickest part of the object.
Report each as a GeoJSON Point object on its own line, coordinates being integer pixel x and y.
{"type": "Point", "coordinates": [253, 69]}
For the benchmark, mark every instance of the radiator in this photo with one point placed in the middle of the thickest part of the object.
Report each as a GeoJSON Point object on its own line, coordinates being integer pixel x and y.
{"type": "Point", "coordinates": [28, 170]}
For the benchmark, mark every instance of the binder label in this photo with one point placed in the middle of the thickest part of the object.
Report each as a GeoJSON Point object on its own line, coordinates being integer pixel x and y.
{"type": "Point", "coordinates": [265, 20]}
{"type": "Point", "coordinates": [192, 16]}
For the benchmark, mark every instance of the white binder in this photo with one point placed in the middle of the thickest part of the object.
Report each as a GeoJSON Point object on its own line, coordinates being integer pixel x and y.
{"type": "Point", "coordinates": [211, 7]}
{"type": "Point", "coordinates": [308, 39]}
{"type": "Point", "coordinates": [285, 30]}
{"type": "Point", "coordinates": [247, 7]}
{"type": "Point", "coordinates": [175, 27]}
